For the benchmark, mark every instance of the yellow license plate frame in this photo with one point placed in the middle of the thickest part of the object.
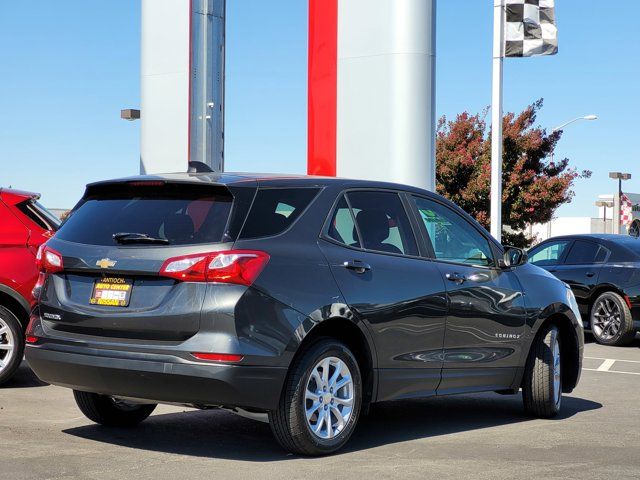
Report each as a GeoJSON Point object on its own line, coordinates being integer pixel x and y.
{"type": "Point", "coordinates": [111, 292]}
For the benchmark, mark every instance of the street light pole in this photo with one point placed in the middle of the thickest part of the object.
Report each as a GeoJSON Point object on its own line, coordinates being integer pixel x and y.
{"type": "Point", "coordinates": [604, 204]}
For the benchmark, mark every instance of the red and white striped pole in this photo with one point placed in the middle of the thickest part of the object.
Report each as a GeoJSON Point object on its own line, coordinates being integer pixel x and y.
{"type": "Point", "coordinates": [371, 92]}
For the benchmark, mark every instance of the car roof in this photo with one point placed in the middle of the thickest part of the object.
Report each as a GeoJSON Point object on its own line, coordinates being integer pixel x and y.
{"type": "Point", "coordinates": [611, 240]}
{"type": "Point", "coordinates": [263, 179]}
{"type": "Point", "coordinates": [606, 237]}
{"type": "Point", "coordinates": [12, 196]}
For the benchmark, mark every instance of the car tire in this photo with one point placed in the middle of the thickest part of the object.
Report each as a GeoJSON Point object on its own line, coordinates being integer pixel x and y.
{"type": "Point", "coordinates": [542, 385]}
{"type": "Point", "coordinates": [610, 320]}
{"type": "Point", "coordinates": [308, 388]}
{"type": "Point", "coordinates": [11, 344]}
{"type": "Point", "coordinates": [111, 412]}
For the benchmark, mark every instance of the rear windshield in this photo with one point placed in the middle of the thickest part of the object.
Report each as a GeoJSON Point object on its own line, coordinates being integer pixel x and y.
{"type": "Point", "coordinates": [182, 218]}
{"type": "Point", "coordinates": [632, 243]}
{"type": "Point", "coordinates": [39, 215]}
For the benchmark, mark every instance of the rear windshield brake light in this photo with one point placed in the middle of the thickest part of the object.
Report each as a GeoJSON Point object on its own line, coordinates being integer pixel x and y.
{"type": "Point", "coordinates": [146, 183]}
{"type": "Point", "coordinates": [240, 267]}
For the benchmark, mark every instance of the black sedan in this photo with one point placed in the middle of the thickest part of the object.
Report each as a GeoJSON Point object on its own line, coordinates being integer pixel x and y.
{"type": "Point", "coordinates": [604, 274]}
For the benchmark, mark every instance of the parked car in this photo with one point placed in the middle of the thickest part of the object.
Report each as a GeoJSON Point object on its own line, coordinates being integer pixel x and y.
{"type": "Point", "coordinates": [604, 273]}
{"type": "Point", "coordinates": [25, 225]}
{"type": "Point", "coordinates": [294, 300]}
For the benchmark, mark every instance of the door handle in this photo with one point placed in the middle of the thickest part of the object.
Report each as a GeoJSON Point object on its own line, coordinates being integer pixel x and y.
{"type": "Point", "coordinates": [590, 274]}
{"type": "Point", "coordinates": [357, 266]}
{"type": "Point", "coordinates": [456, 277]}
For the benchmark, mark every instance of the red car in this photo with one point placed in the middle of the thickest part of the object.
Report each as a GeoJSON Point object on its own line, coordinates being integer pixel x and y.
{"type": "Point", "coordinates": [24, 226]}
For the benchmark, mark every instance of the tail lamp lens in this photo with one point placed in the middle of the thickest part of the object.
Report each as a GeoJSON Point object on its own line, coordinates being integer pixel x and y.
{"type": "Point", "coordinates": [240, 267]}
{"type": "Point", "coordinates": [49, 260]}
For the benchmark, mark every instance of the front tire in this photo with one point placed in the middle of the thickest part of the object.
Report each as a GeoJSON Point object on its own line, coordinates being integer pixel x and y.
{"type": "Point", "coordinates": [321, 401]}
{"type": "Point", "coordinates": [542, 385]}
{"type": "Point", "coordinates": [11, 344]}
{"type": "Point", "coordinates": [611, 321]}
{"type": "Point", "coordinates": [111, 412]}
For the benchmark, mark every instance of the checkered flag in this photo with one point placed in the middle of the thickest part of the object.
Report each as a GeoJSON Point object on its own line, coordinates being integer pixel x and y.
{"type": "Point", "coordinates": [626, 210]}
{"type": "Point", "coordinates": [530, 28]}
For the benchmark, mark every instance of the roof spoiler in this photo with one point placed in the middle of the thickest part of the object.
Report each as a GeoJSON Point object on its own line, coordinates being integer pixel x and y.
{"type": "Point", "coordinates": [199, 167]}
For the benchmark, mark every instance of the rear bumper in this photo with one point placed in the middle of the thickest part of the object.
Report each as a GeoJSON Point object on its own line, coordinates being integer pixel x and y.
{"type": "Point", "coordinates": [159, 380]}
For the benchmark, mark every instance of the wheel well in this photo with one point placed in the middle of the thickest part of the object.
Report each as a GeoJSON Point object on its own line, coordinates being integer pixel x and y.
{"type": "Point", "coordinates": [348, 333]}
{"type": "Point", "coordinates": [10, 303]}
{"type": "Point", "coordinates": [569, 347]}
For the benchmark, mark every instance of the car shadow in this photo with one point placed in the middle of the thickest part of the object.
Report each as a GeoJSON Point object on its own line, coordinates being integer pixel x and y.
{"type": "Point", "coordinates": [220, 434]}
{"type": "Point", "coordinates": [24, 378]}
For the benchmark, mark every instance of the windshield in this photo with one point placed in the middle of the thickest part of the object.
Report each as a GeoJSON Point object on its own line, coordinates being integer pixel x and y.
{"type": "Point", "coordinates": [186, 219]}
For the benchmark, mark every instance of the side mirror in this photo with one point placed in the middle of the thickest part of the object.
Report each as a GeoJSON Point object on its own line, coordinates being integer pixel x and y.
{"type": "Point", "coordinates": [514, 257]}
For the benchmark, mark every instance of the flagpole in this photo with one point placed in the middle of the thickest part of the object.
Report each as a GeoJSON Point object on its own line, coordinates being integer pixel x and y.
{"type": "Point", "coordinates": [496, 120]}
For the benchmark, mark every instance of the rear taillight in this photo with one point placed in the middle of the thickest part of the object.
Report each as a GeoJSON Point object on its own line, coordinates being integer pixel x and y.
{"type": "Point", "coordinates": [240, 267]}
{"type": "Point", "coordinates": [48, 260]}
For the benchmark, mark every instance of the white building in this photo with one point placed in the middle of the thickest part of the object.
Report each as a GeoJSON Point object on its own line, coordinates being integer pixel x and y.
{"type": "Point", "coordinates": [602, 223]}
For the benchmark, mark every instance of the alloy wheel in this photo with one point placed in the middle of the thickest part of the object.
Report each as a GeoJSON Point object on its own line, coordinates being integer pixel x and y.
{"type": "Point", "coordinates": [329, 398]}
{"type": "Point", "coordinates": [7, 345]}
{"type": "Point", "coordinates": [606, 318]}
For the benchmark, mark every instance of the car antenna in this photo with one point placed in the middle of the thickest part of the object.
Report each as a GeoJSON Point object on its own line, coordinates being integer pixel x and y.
{"type": "Point", "coordinates": [198, 167]}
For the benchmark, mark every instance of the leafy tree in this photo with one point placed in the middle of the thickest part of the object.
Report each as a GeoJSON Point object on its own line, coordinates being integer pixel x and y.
{"type": "Point", "coordinates": [534, 185]}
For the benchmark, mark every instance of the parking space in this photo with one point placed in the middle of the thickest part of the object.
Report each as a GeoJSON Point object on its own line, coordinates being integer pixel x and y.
{"type": "Point", "coordinates": [43, 435]}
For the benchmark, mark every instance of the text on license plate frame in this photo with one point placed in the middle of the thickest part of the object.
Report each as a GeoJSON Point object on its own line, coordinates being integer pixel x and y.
{"type": "Point", "coordinates": [111, 292]}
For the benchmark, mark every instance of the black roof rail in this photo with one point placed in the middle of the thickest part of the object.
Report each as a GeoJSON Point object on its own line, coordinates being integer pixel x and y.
{"type": "Point", "coordinates": [199, 167]}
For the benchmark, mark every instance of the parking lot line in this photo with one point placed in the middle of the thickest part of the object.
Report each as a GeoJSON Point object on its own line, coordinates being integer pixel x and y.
{"type": "Point", "coordinates": [615, 359]}
{"type": "Point", "coordinates": [607, 363]}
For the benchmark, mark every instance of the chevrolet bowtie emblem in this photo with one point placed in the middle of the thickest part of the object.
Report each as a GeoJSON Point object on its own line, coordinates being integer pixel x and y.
{"type": "Point", "coordinates": [105, 263]}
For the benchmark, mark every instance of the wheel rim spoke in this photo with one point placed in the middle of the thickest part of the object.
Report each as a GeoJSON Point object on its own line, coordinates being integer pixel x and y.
{"type": "Point", "coordinates": [329, 398]}
{"type": "Point", "coordinates": [7, 345]}
{"type": "Point", "coordinates": [606, 319]}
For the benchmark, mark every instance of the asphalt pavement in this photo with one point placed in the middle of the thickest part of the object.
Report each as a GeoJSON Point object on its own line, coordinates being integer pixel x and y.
{"type": "Point", "coordinates": [486, 436]}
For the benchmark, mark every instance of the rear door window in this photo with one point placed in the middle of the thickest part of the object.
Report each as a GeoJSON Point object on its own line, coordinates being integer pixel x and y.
{"type": "Point", "coordinates": [382, 222]}
{"type": "Point", "coordinates": [275, 209]}
{"type": "Point", "coordinates": [342, 227]}
{"type": "Point", "coordinates": [183, 217]}
{"type": "Point", "coordinates": [582, 253]}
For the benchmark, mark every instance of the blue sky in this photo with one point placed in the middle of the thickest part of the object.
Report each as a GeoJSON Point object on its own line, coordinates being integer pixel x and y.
{"type": "Point", "coordinates": [68, 67]}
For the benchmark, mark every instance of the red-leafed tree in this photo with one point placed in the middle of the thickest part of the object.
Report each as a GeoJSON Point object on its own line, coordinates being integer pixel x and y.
{"type": "Point", "coordinates": [534, 186]}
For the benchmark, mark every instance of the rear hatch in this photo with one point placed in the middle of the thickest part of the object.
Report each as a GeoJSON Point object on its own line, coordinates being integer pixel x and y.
{"type": "Point", "coordinates": [113, 247]}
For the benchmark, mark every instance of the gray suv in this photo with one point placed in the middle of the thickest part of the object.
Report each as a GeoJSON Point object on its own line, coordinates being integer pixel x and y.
{"type": "Point", "coordinates": [294, 300]}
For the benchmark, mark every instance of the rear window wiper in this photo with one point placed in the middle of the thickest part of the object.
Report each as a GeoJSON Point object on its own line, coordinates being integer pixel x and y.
{"type": "Point", "coordinates": [128, 237]}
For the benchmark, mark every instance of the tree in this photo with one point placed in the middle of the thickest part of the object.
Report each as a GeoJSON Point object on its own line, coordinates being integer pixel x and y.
{"type": "Point", "coordinates": [534, 185]}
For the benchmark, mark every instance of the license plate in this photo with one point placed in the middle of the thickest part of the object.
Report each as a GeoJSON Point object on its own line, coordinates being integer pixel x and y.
{"type": "Point", "coordinates": [112, 292]}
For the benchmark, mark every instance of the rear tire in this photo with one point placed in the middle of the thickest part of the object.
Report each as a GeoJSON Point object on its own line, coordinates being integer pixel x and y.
{"type": "Point", "coordinates": [325, 381]}
{"type": "Point", "coordinates": [610, 320]}
{"type": "Point", "coordinates": [542, 385]}
{"type": "Point", "coordinates": [11, 344]}
{"type": "Point", "coordinates": [110, 412]}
